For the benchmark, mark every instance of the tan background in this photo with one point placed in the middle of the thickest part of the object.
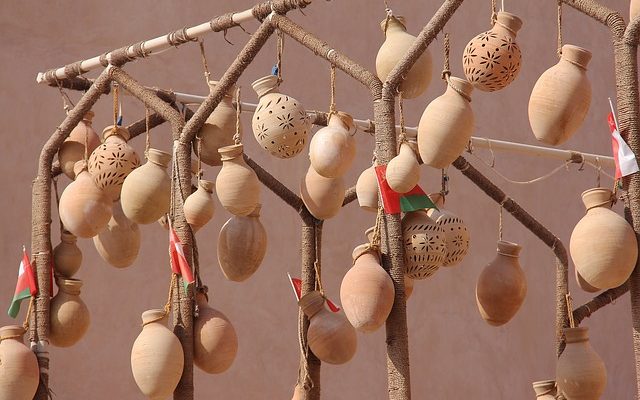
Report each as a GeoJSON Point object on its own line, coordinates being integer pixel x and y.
{"type": "Point", "coordinates": [454, 354]}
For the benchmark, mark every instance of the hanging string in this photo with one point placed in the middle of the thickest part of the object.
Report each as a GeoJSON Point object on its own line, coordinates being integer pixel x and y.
{"type": "Point", "coordinates": [559, 50]}
{"type": "Point", "coordinates": [376, 236]}
{"type": "Point", "coordinates": [402, 137]}
{"type": "Point", "coordinates": [199, 152]}
{"type": "Point", "coordinates": [317, 265]}
{"type": "Point", "coordinates": [572, 322]}
{"type": "Point", "coordinates": [444, 191]}
{"type": "Point", "coordinates": [446, 69]}
{"type": "Point", "coordinates": [389, 13]}
{"type": "Point", "coordinates": [147, 143]}
{"type": "Point", "coordinates": [25, 324]}
{"type": "Point", "coordinates": [494, 12]}
{"type": "Point", "coordinates": [280, 52]}
{"type": "Point", "coordinates": [205, 66]}
{"type": "Point", "coordinates": [237, 137]}
{"type": "Point", "coordinates": [500, 223]}
{"type": "Point", "coordinates": [116, 101]}
{"type": "Point", "coordinates": [167, 305]}
{"type": "Point", "coordinates": [598, 171]}
{"type": "Point", "coordinates": [55, 190]}
{"type": "Point", "coordinates": [67, 104]}
{"type": "Point", "coordinates": [332, 105]}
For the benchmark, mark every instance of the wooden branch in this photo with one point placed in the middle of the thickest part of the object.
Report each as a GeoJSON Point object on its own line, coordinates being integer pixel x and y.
{"type": "Point", "coordinates": [602, 14]}
{"type": "Point", "coordinates": [601, 300]}
{"type": "Point", "coordinates": [349, 196]}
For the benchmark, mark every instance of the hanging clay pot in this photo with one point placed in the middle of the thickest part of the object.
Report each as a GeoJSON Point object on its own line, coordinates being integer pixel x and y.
{"type": "Point", "coordinates": [603, 245]}
{"type": "Point", "coordinates": [634, 9]}
{"type": "Point", "coordinates": [215, 342]}
{"type": "Point", "coordinates": [157, 359]}
{"type": "Point", "coordinates": [322, 196]}
{"type": "Point", "coordinates": [242, 244]}
{"type": "Point", "coordinates": [394, 48]}
{"type": "Point", "coordinates": [456, 232]}
{"type": "Point", "coordinates": [84, 209]}
{"type": "Point", "coordinates": [72, 149]}
{"type": "Point", "coordinates": [237, 185]}
{"type": "Point", "coordinates": [561, 97]}
{"type": "Point", "coordinates": [446, 125]}
{"type": "Point", "coordinates": [218, 129]}
{"type": "Point", "coordinates": [199, 206]}
{"type": "Point", "coordinates": [19, 372]}
{"type": "Point", "coordinates": [280, 123]}
{"type": "Point", "coordinates": [120, 242]}
{"type": "Point", "coordinates": [403, 171]}
{"type": "Point", "coordinates": [113, 160]}
{"type": "Point", "coordinates": [367, 291]}
{"type": "Point", "coordinates": [545, 390]}
{"type": "Point", "coordinates": [502, 286]}
{"type": "Point", "coordinates": [67, 257]}
{"type": "Point", "coordinates": [491, 60]}
{"type": "Point", "coordinates": [367, 190]}
{"type": "Point", "coordinates": [298, 393]}
{"type": "Point", "coordinates": [333, 148]}
{"type": "Point", "coordinates": [580, 372]}
{"type": "Point", "coordinates": [330, 336]}
{"type": "Point", "coordinates": [69, 315]}
{"type": "Point", "coordinates": [584, 285]}
{"type": "Point", "coordinates": [424, 245]}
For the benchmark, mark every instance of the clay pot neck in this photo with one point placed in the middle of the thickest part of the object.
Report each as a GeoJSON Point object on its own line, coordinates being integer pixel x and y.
{"type": "Point", "coordinates": [256, 211]}
{"type": "Point", "coordinates": [544, 388]}
{"type": "Point", "coordinates": [395, 24]}
{"type": "Point", "coordinates": [266, 85]}
{"type": "Point", "coordinates": [205, 185]}
{"type": "Point", "coordinates": [79, 167]}
{"type": "Point", "coordinates": [116, 133]}
{"type": "Point", "coordinates": [158, 157]}
{"type": "Point", "coordinates": [311, 303]}
{"type": "Point", "coordinates": [509, 249]}
{"type": "Point", "coordinates": [201, 300]}
{"type": "Point", "coordinates": [228, 95]}
{"type": "Point", "coordinates": [342, 120]}
{"type": "Point", "coordinates": [577, 334]}
{"type": "Point", "coordinates": [229, 153]}
{"type": "Point", "coordinates": [437, 199]}
{"type": "Point", "coordinates": [68, 237]}
{"type": "Point", "coordinates": [461, 87]}
{"type": "Point", "coordinates": [576, 55]}
{"type": "Point", "coordinates": [155, 315]}
{"type": "Point", "coordinates": [365, 250]}
{"type": "Point", "coordinates": [88, 117]}
{"type": "Point", "coordinates": [507, 23]}
{"type": "Point", "coordinates": [14, 332]}
{"type": "Point", "coordinates": [597, 197]}
{"type": "Point", "coordinates": [69, 286]}
{"type": "Point", "coordinates": [406, 151]}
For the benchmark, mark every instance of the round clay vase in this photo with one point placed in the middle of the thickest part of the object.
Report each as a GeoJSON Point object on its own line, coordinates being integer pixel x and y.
{"type": "Point", "coordinates": [19, 372]}
{"type": "Point", "coordinates": [367, 291]}
{"type": "Point", "coordinates": [69, 315]}
{"type": "Point", "coordinates": [113, 160]}
{"type": "Point", "coordinates": [408, 282]}
{"type": "Point", "coordinates": [84, 209]}
{"type": "Point", "coordinates": [333, 148]}
{"type": "Point", "coordinates": [561, 97]}
{"type": "Point", "coordinates": [446, 125]}
{"type": "Point", "coordinates": [634, 9]}
{"type": "Point", "coordinates": [157, 359]}
{"type": "Point", "coordinates": [199, 206]}
{"type": "Point", "coordinates": [603, 245]}
{"type": "Point", "coordinates": [580, 372]}
{"type": "Point", "coordinates": [403, 171]}
{"type": "Point", "coordinates": [237, 185]}
{"type": "Point", "coordinates": [218, 129]}
{"type": "Point", "coordinates": [330, 336]}
{"type": "Point", "coordinates": [280, 123]}
{"type": "Point", "coordinates": [545, 390]}
{"type": "Point", "coordinates": [242, 244]}
{"type": "Point", "coordinates": [583, 284]}
{"type": "Point", "coordinates": [457, 236]}
{"type": "Point", "coordinates": [119, 243]}
{"type": "Point", "coordinates": [394, 48]}
{"type": "Point", "coordinates": [67, 257]}
{"type": "Point", "coordinates": [424, 245]}
{"type": "Point", "coordinates": [367, 190]}
{"type": "Point", "coordinates": [501, 286]}
{"type": "Point", "coordinates": [322, 196]}
{"type": "Point", "coordinates": [72, 149]}
{"type": "Point", "coordinates": [492, 59]}
{"type": "Point", "coordinates": [215, 342]}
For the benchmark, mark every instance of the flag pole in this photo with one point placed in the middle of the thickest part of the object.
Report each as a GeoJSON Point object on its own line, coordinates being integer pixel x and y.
{"type": "Point", "coordinates": [613, 112]}
{"type": "Point", "coordinates": [295, 292]}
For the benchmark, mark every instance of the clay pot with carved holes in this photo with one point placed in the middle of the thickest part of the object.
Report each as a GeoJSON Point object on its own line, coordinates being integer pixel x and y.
{"type": "Point", "coordinates": [72, 149]}
{"type": "Point", "coordinates": [424, 244]}
{"type": "Point", "coordinates": [237, 185]}
{"type": "Point", "coordinates": [119, 243]}
{"type": "Point", "coordinates": [322, 196]}
{"type": "Point", "coordinates": [333, 148]}
{"type": "Point", "coordinates": [199, 206]}
{"type": "Point", "coordinates": [580, 372]}
{"type": "Point", "coordinates": [367, 190]}
{"type": "Point", "coordinates": [19, 372]}
{"type": "Point", "coordinates": [218, 129]}
{"type": "Point", "coordinates": [215, 343]}
{"type": "Point", "coordinates": [67, 257]}
{"type": "Point", "coordinates": [456, 233]}
{"type": "Point", "coordinates": [403, 171]}
{"type": "Point", "coordinates": [69, 317]}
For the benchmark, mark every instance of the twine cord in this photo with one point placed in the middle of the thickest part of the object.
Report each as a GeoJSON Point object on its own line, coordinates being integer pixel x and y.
{"type": "Point", "coordinates": [598, 171]}
{"type": "Point", "coordinates": [376, 236]}
{"type": "Point", "coordinates": [167, 306]}
{"type": "Point", "coordinates": [444, 191]}
{"type": "Point", "coordinates": [279, 54]}
{"type": "Point", "coordinates": [559, 28]}
{"type": "Point", "coordinates": [205, 65]}
{"type": "Point", "coordinates": [147, 143]}
{"type": "Point", "coordinates": [446, 69]}
{"type": "Point", "coordinates": [237, 137]}
{"type": "Point", "coordinates": [494, 12]}
{"type": "Point", "coordinates": [317, 266]}
{"type": "Point", "coordinates": [389, 13]}
{"type": "Point", "coordinates": [572, 322]}
{"type": "Point", "coordinates": [199, 150]}
{"type": "Point", "coordinates": [332, 105]}
{"type": "Point", "coordinates": [57, 195]}
{"type": "Point", "coordinates": [116, 93]}
{"type": "Point", "coordinates": [67, 104]}
{"type": "Point", "coordinates": [402, 137]}
{"type": "Point", "coordinates": [500, 222]}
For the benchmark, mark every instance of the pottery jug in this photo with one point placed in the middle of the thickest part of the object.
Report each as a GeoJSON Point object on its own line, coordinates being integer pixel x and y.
{"type": "Point", "coordinates": [237, 185]}
{"type": "Point", "coordinates": [67, 257]}
{"type": "Point", "coordinates": [333, 148]}
{"type": "Point", "coordinates": [199, 206]}
{"type": "Point", "coordinates": [218, 129]}
{"type": "Point", "coordinates": [580, 372]}
{"type": "Point", "coordinates": [119, 243]}
{"type": "Point", "coordinates": [456, 233]}
{"type": "Point", "coordinates": [545, 390]}
{"type": "Point", "coordinates": [19, 372]}
{"type": "Point", "coordinates": [69, 315]}
{"type": "Point", "coordinates": [367, 190]}
{"type": "Point", "coordinates": [72, 149]}
{"type": "Point", "coordinates": [424, 245]}
{"type": "Point", "coordinates": [215, 342]}
{"type": "Point", "coordinates": [322, 196]}
{"type": "Point", "coordinates": [403, 171]}
{"type": "Point", "coordinates": [408, 282]}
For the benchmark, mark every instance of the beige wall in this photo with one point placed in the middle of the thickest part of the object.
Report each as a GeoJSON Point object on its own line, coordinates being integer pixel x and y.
{"type": "Point", "coordinates": [454, 354]}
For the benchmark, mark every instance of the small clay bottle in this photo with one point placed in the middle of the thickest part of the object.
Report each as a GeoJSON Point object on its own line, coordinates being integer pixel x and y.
{"type": "Point", "coordinates": [237, 185]}
{"type": "Point", "coordinates": [215, 342]}
{"type": "Point", "coordinates": [19, 372]}
{"type": "Point", "coordinates": [67, 257]}
{"type": "Point", "coordinates": [403, 171]}
{"type": "Point", "coordinates": [69, 315]}
{"type": "Point", "coordinates": [322, 196]}
{"type": "Point", "coordinates": [199, 207]}
{"type": "Point", "coordinates": [367, 190]}
{"type": "Point", "coordinates": [72, 149]}
{"type": "Point", "coordinates": [218, 129]}
{"type": "Point", "coordinates": [333, 147]}
{"type": "Point", "coordinates": [580, 372]}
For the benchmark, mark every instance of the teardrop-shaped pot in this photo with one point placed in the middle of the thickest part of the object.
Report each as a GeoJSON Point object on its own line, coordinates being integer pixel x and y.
{"type": "Point", "coordinates": [456, 233]}
{"type": "Point", "coordinates": [67, 257]}
{"type": "Point", "coordinates": [237, 185]}
{"type": "Point", "coordinates": [119, 244]}
{"type": "Point", "coordinates": [545, 390]}
{"type": "Point", "coordinates": [583, 284]}
{"type": "Point", "coordinates": [19, 373]}
{"type": "Point", "coordinates": [367, 190]}
{"type": "Point", "coordinates": [322, 196]}
{"type": "Point", "coordinates": [424, 245]}
{"type": "Point", "coordinates": [403, 171]}
{"type": "Point", "coordinates": [199, 206]}
{"type": "Point", "coordinates": [333, 147]}
{"type": "Point", "coordinates": [215, 342]}
{"type": "Point", "coordinates": [218, 129]}
{"type": "Point", "coordinates": [580, 372]}
{"type": "Point", "coordinates": [72, 149]}
{"type": "Point", "coordinates": [69, 315]}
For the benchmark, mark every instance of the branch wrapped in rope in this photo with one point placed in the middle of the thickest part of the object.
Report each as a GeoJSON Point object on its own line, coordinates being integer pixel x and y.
{"type": "Point", "coordinates": [601, 300]}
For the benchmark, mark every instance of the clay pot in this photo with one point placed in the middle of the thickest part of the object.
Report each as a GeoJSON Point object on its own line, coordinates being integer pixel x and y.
{"type": "Point", "coordinates": [218, 129]}
{"type": "Point", "coordinates": [280, 123]}
{"type": "Point", "coordinates": [583, 284]}
{"type": "Point", "coordinates": [215, 342]}
{"type": "Point", "coordinates": [199, 206]}
{"type": "Point", "coordinates": [157, 358]}
{"type": "Point", "coordinates": [298, 393]}
{"type": "Point", "coordinates": [367, 190]}
{"type": "Point", "coordinates": [67, 257]}
{"type": "Point", "coordinates": [19, 372]}
{"type": "Point", "coordinates": [69, 315]}
{"type": "Point", "coordinates": [403, 171]}
{"type": "Point", "coordinates": [113, 160]}
{"type": "Point", "coordinates": [408, 282]}
{"type": "Point", "coordinates": [456, 233]}
{"type": "Point", "coordinates": [367, 291]}
{"type": "Point", "coordinates": [237, 185]}
{"type": "Point", "coordinates": [330, 336]}
{"type": "Point", "coordinates": [502, 286]}
{"type": "Point", "coordinates": [580, 372]}
{"type": "Point", "coordinates": [333, 147]}
{"type": "Point", "coordinates": [545, 390]}
{"type": "Point", "coordinates": [424, 245]}
{"type": "Point", "coordinates": [394, 48]}
{"type": "Point", "coordinates": [72, 149]}
{"type": "Point", "coordinates": [491, 60]}
{"type": "Point", "coordinates": [603, 246]}
{"type": "Point", "coordinates": [446, 125]}
{"type": "Point", "coordinates": [84, 209]}
{"type": "Point", "coordinates": [119, 244]}
{"type": "Point", "coordinates": [322, 196]}
{"type": "Point", "coordinates": [242, 244]}
{"type": "Point", "coordinates": [561, 97]}
{"type": "Point", "coordinates": [634, 9]}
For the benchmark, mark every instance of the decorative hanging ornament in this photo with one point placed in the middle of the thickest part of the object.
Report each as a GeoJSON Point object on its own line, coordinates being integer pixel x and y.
{"type": "Point", "coordinates": [545, 390]}
{"type": "Point", "coordinates": [218, 129]}
{"type": "Point", "coordinates": [333, 148]}
{"type": "Point", "coordinates": [322, 196]}
{"type": "Point", "coordinates": [237, 185]}
{"type": "Point", "coordinates": [19, 372]}
{"type": "Point", "coordinates": [119, 243]}
{"type": "Point", "coordinates": [199, 206]}
{"type": "Point", "coordinates": [580, 372]}
{"type": "Point", "coordinates": [215, 343]}
{"type": "Point", "coordinates": [424, 245]}
{"type": "Point", "coordinates": [72, 149]}
{"type": "Point", "coordinates": [456, 233]}
{"type": "Point", "coordinates": [69, 316]}
{"type": "Point", "coordinates": [367, 190]}
{"type": "Point", "coordinates": [67, 257]}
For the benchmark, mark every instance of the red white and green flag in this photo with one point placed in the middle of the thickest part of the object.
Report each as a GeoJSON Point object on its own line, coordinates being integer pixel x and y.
{"type": "Point", "coordinates": [179, 264]}
{"type": "Point", "coordinates": [26, 285]}
{"type": "Point", "coordinates": [626, 163]}
{"type": "Point", "coordinates": [296, 284]}
{"type": "Point", "coordinates": [394, 202]}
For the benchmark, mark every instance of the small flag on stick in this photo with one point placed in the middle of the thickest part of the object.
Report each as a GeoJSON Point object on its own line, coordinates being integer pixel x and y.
{"type": "Point", "coordinates": [26, 285]}
{"type": "Point", "coordinates": [179, 264]}
{"type": "Point", "coordinates": [296, 284]}
{"type": "Point", "coordinates": [394, 202]}
{"type": "Point", "coordinates": [626, 163]}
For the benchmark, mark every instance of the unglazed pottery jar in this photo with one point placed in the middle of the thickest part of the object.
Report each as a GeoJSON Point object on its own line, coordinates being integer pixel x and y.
{"type": "Point", "coordinates": [333, 147]}
{"type": "Point", "coordinates": [492, 59]}
{"type": "Point", "coordinates": [330, 336]}
{"type": "Point", "coordinates": [545, 390]}
{"type": "Point", "coordinates": [119, 243]}
{"type": "Point", "coordinates": [580, 372]}
{"type": "Point", "coordinates": [67, 257]}
{"type": "Point", "coordinates": [215, 342]}
{"type": "Point", "coordinates": [72, 149]}
{"type": "Point", "coordinates": [322, 196]}
{"type": "Point", "coordinates": [403, 171]}
{"type": "Point", "coordinates": [603, 246]}
{"type": "Point", "coordinates": [237, 185]}
{"type": "Point", "coordinates": [199, 206]}
{"type": "Point", "coordinates": [394, 48]}
{"type": "Point", "coordinates": [367, 190]}
{"type": "Point", "coordinates": [19, 372]}
{"type": "Point", "coordinates": [69, 315]}
{"type": "Point", "coordinates": [424, 245]}
{"type": "Point", "coordinates": [561, 97]}
{"type": "Point", "coordinates": [502, 286]}
{"type": "Point", "coordinates": [408, 282]}
{"type": "Point", "coordinates": [583, 284]}
{"type": "Point", "coordinates": [280, 123]}
{"type": "Point", "coordinates": [446, 125]}
{"type": "Point", "coordinates": [157, 359]}
{"type": "Point", "coordinates": [456, 233]}
{"type": "Point", "coordinates": [219, 128]}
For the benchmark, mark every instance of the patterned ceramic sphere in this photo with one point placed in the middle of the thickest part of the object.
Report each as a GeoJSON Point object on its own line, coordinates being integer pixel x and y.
{"type": "Point", "coordinates": [424, 245]}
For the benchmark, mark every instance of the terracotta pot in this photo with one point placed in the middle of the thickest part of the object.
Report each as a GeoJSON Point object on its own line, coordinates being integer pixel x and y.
{"type": "Point", "coordinates": [424, 245]}
{"type": "Point", "coordinates": [580, 372]}
{"type": "Point", "coordinates": [394, 48]}
{"type": "Point", "coordinates": [69, 315]}
{"type": "Point", "coordinates": [157, 359]}
{"type": "Point", "coordinates": [583, 284]}
{"type": "Point", "coordinates": [215, 342]}
{"type": "Point", "coordinates": [119, 244]}
{"type": "Point", "coordinates": [72, 149]}
{"type": "Point", "coordinates": [322, 196]}
{"type": "Point", "coordinates": [199, 206]}
{"type": "Point", "coordinates": [403, 171]}
{"type": "Point", "coordinates": [603, 246]}
{"type": "Point", "coordinates": [219, 128]}
{"type": "Point", "coordinates": [367, 190]}
{"type": "Point", "coordinates": [333, 147]}
{"type": "Point", "coordinates": [330, 336]}
{"type": "Point", "coordinates": [491, 60]}
{"type": "Point", "coordinates": [280, 123]}
{"type": "Point", "coordinates": [456, 233]}
{"type": "Point", "coordinates": [446, 125]}
{"type": "Point", "coordinates": [237, 185]}
{"type": "Point", "coordinates": [19, 372]}
{"type": "Point", "coordinates": [561, 97]}
{"type": "Point", "coordinates": [298, 393]}
{"type": "Point", "coordinates": [545, 390]}
{"type": "Point", "coordinates": [113, 160]}
{"type": "Point", "coordinates": [634, 9]}
{"type": "Point", "coordinates": [367, 291]}
{"type": "Point", "coordinates": [502, 286]}
{"type": "Point", "coordinates": [67, 257]}
{"type": "Point", "coordinates": [84, 209]}
{"type": "Point", "coordinates": [242, 244]}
